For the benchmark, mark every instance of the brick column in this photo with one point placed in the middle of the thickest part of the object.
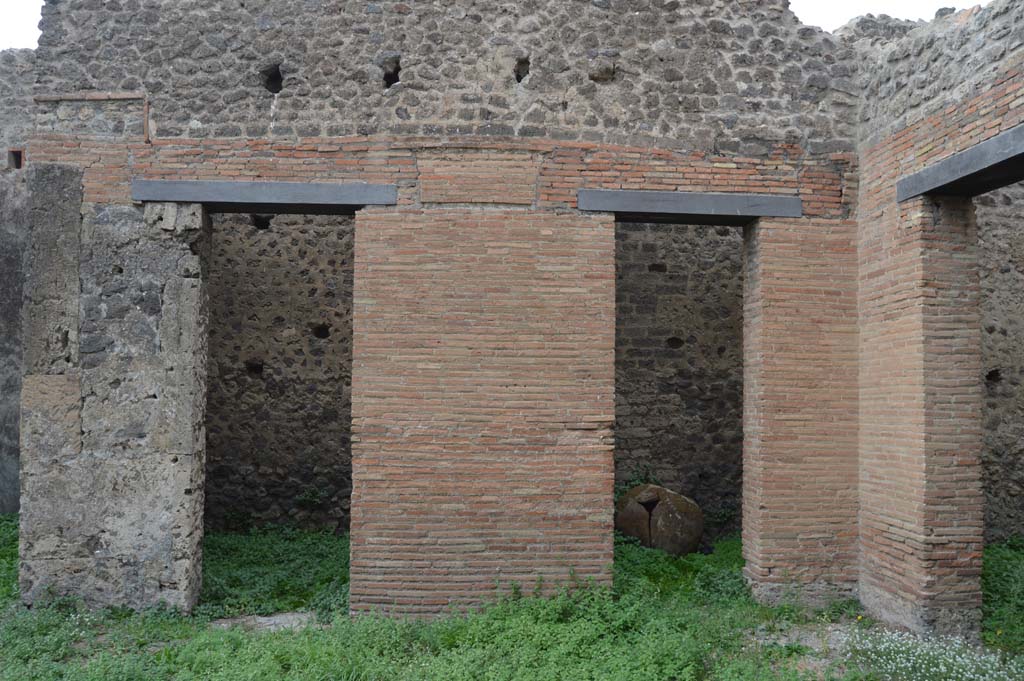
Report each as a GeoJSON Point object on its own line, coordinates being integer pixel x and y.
{"type": "Point", "coordinates": [482, 404]}
{"type": "Point", "coordinates": [921, 504]}
{"type": "Point", "coordinates": [112, 435]}
{"type": "Point", "coordinates": [799, 402]}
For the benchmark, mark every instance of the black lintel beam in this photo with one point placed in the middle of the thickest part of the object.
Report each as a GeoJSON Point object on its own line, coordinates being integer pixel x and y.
{"type": "Point", "coordinates": [267, 197]}
{"type": "Point", "coordinates": [996, 162]}
{"type": "Point", "coordinates": [689, 207]}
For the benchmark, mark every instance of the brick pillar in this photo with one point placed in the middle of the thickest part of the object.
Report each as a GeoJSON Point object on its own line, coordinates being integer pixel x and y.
{"type": "Point", "coordinates": [112, 435]}
{"type": "Point", "coordinates": [921, 504]}
{"type": "Point", "coordinates": [799, 401]}
{"type": "Point", "coordinates": [482, 404]}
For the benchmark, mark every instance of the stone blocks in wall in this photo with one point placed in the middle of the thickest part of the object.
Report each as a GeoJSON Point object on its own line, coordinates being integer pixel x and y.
{"type": "Point", "coordinates": [747, 75]}
{"type": "Point", "coordinates": [112, 419]}
{"type": "Point", "coordinates": [483, 381]}
{"type": "Point", "coordinates": [16, 106]}
{"type": "Point", "coordinates": [51, 270]}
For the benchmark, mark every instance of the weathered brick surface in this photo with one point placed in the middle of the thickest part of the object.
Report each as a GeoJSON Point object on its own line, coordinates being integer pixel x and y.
{"type": "Point", "coordinates": [800, 433]}
{"type": "Point", "coordinates": [483, 381]}
{"type": "Point", "coordinates": [478, 177]}
{"type": "Point", "coordinates": [920, 327]}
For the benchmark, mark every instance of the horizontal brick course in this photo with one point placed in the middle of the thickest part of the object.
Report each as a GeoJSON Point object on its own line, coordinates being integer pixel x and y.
{"type": "Point", "coordinates": [483, 380]}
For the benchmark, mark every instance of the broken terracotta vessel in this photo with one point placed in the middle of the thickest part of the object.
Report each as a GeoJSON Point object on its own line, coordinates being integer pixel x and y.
{"type": "Point", "coordinates": [660, 519]}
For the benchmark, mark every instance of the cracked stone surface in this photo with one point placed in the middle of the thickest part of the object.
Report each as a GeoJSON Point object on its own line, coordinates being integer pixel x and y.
{"type": "Point", "coordinates": [113, 419]}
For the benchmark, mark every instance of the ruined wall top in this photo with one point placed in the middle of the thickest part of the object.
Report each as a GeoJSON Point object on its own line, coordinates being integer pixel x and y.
{"type": "Point", "coordinates": [875, 30]}
{"type": "Point", "coordinates": [936, 64]}
{"type": "Point", "coordinates": [730, 76]}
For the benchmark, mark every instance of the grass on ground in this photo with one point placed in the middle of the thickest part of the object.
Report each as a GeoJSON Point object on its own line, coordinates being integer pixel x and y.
{"type": "Point", "coordinates": [665, 618]}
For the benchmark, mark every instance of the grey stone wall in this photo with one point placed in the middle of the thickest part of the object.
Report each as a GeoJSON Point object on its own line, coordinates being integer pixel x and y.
{"type": "Point", "coordinates": [13, 235]}
{"type": "Point", "coordinates": [961, 51]}
{"type": "Point", "coordinates": [17, 68]}
{"type": "Point", "coordinates": [1000, 217]}
{"type": "Point", "coordinates": [15, 122]}
{"type": "Point", "coordinates": [679, 363]}
{"type": "Point", "coordinates": [279, 409]}
{"type": "Point", "coordinates": [113, 399]}
{"type": "Point", "coordinates": [716, 74]}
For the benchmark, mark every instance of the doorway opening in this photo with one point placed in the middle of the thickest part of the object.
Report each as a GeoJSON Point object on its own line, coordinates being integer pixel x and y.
{"type": "Point", "coordinates": [278, 416]}
{"type": "Point", "coordinates": [1000, 219]}
{"type": "Point", "coordinates": [679, 364]}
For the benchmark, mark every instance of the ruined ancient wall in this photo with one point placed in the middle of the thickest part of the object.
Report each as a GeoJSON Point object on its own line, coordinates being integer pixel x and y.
{"type": "Point", "coordinates": [942, 88]}
{"type": "Point", "coordinates": [113, 398]}
{"type": "Point", "coordinates": [935, 65]}
{"type": "Point", "coordinates": [464, 463]}
{"type": "Point", "coordinates": [679, 363]}
{"type": "Point", "coordinates": [961, 49]}
{"type": "Point", "coordinates": [278, 416]}
{"type": "Point", "coordinates": [15, 123]}
{"type": "Point", "coordinates": [731, 78]}
{"type": "Point", "coordinates": [727, 76]}
{"type": "Point", "coordinates": [279, 405]}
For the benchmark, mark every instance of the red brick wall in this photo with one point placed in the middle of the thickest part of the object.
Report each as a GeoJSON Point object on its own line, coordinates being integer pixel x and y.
{"type": "Point", "coordinates": [921, 520]}
{"type": "Point", "coordinates": [800, 427]}
{"type": "Point", "coordinates": [542, 173]}
{"type": "Point", "coordinates": [483, 369]}
{"type": "Point", "coordinates": [483, 381]}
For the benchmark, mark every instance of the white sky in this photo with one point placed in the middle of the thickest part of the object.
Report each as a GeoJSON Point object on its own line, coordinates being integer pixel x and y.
{"type": "Point", "coordinates": [19, 18]}
{"type": "Point", "coordinates": [831, 14]}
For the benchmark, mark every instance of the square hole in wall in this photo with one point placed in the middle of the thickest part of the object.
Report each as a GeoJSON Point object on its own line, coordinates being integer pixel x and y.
{"type": "Point", "coordinates": [15, 159]}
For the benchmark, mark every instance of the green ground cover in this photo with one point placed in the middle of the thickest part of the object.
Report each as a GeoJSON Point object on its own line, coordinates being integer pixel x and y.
{"type": "Point", "coordinates": [665, 618]}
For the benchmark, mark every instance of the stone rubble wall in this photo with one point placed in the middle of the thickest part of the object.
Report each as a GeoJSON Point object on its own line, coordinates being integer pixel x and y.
{"type": "Point", "coordinates": [1000, 216]}
{"type": "Point", "coordinates": [679, 363]}
{"type": "Point", "coordinates": [932, 65]}
{"type": "Point", "coordinates": [711, 75]}
{"type": "Point", "coordinates": [279, 406]}
{"type": "Point", "coordinates": [18, 68]}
